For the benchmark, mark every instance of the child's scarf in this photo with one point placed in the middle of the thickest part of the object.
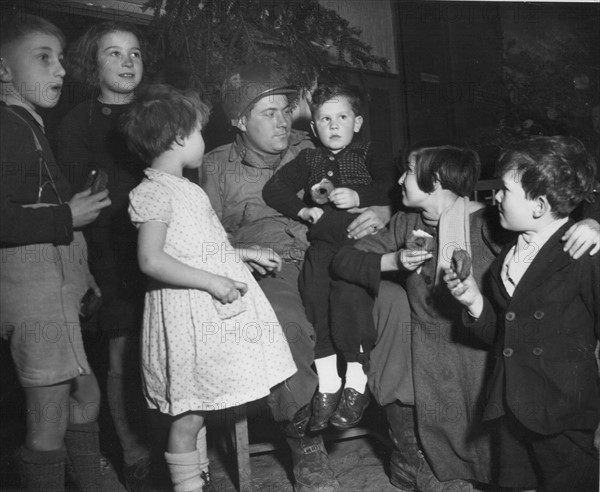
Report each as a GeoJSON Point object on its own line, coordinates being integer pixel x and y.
{"type": "Point", "coordinates": [453, 233]}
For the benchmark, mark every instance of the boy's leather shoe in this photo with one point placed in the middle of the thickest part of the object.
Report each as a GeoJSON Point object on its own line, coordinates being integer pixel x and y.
{"type": "Point", "coordinates": [351, 408]}
{"type": "Point", "coordinates": [323, 406]}
{"type": "Point", "coordinates": [312, 472]}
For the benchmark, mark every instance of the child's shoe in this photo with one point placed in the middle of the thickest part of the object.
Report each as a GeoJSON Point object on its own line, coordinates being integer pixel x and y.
{"type": "Point", "coordinates": [351, 408]}
{"type": "Point", "coordinates": [323, 406]}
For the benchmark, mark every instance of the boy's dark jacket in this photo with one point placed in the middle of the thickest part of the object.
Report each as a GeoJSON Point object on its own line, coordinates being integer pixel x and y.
{"type": "Point", "coordinates": [545, 338]}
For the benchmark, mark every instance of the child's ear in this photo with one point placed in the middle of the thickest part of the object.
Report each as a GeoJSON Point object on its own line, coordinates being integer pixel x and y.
{"type": "Point", "coordinates": [358, 121]}
{"type": "Point", "coordinates": [436, 181]}
{"type": "Point", "coordinates": [313, 128]}
{"type": "Point", "coordinates": [5, 73]}
{"type": "Point", "coordinates": [541, 207]}
{"type": "Point", "coordinates": [240, 124]}
{"type": "Point", "coordinates": [179, 140]}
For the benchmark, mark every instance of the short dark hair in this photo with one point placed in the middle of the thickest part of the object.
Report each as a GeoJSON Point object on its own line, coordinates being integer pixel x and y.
{"type": "Point", "coordinates": [558, 167]}
{"type": "Point", "coordinates": [331, 90]}
{"type": "Point", "coordinates": [159, 115]}
{"type": "Point", "coordinates": [456, 168]}
{"type": "Point", "coordinates": [18, 26]}
{"type": "Point", "coordinates": [82, 56]}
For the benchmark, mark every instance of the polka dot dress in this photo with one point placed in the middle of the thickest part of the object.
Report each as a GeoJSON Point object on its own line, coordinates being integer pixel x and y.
{"type": "Point", "coordinates": [198, 354]}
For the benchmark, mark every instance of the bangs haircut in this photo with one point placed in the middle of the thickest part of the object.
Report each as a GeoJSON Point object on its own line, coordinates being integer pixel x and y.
{"type": "Point", "coordinates": [457, 169]}
{"type": "Point", "coordinates": [158, 116]}
{"type": "Point", "coordinates": [82, 56]}
{"type": "Point", "coordinates": [18, 26]}
{"type": "Point", "coordinates": [331, 91]}
{"type": "Point", "coordinates": [558, 167]}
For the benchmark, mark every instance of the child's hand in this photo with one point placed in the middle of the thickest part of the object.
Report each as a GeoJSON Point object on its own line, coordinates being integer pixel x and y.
{"type": "Point", "coordinates": [310, 214]}
{"type": "Point", "coordinates": [344, 198]}
{"type": "Point", "coordinates": [411, 259]}
{"type": "Point", "coordinates": [262, 260]}
{"type": "Point", "coordinates": [86, 207]}
{"type": "Point", "coordinates": [227, 290]}
{"type": "Point", "coordinates": [466, 292]}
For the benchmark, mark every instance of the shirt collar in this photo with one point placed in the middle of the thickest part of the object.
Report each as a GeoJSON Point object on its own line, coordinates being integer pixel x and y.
{"type": "Point", "coordinates": [541, 237]}
{"type": "Point", "coordinates": [12, 98]}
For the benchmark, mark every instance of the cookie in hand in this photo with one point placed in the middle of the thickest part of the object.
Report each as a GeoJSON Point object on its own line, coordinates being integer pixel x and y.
{"type": "Point", "coordinates": [461, 263]}
{"type": "Point", "coordinates": [320, 192]}
{"type": "Point", "coordinates": [420, 240]}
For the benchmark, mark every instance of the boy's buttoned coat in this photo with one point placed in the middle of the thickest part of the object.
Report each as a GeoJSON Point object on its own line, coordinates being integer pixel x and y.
{"type": "Point", "coordinates": [545, 338]}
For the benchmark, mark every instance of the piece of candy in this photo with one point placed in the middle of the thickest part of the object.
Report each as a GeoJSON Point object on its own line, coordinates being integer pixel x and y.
{"type": "Point", "coordinates": [320, 192]}
{"type": "Point", "coordinates": [461, 263]}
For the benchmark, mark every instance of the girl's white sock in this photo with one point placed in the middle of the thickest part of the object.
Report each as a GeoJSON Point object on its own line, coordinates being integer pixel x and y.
{"type": "Point", "coordinates": [329, 380]}
{"type": "Point", "coordinates": [184, 469]}
{"type": "Point", "coordinates": [356, 377]}
{"type": "Point", "coordinates": [202, 448]}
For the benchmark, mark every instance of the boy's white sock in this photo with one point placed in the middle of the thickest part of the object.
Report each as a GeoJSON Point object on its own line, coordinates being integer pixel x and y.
{"type": "Point", "coordinates": [356, 377]}
{"type": "Point", "coordinates": [184, 469]}
{"type": "Point", "coordinates": [329, 380]}
{"type": "Point", "coordinates": [202, 448]}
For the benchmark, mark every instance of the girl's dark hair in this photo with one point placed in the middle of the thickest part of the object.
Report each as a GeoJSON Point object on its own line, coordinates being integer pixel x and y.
{"type": "Point", "coordinates": [456, 168]}
{"type": "Point", "coordinates": [159, 115]}
{"type": "Point", "coordinates": [558, 167]}
{"type": "Point", "coordinates": [329, 90]}
{"type": "Point", "coordinates": [18, 26]}
{"type": "Point", "coordinates": [82, 57]}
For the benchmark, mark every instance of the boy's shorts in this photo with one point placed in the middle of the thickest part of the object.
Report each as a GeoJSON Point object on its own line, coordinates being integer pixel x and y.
{"type": "Point", "coordinates": [42, 286]}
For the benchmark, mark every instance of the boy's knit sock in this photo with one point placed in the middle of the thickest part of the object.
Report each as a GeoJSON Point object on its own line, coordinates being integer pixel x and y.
{"type": "Point", "coordinates": [329, 380]}
{"type": "Point", "coordinates": [356, 377]}
{"type": "Point", "coordinates": [83, 449]}
{"type": "Point", "coordinates": [184, 469]}
{"type": "Point", "coordinates": [126, 405]}
{"type": "Point", "coordinates": [42, 471]}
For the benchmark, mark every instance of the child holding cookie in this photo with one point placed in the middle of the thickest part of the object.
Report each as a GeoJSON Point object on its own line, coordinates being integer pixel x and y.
{"type": "Point", "coordinates": [343, 174]}
{"type": "Point", "coordinates": [448, 370]}
{"type": "Point", "coordinates": [44, 274]}
{"type": "Point", "coordinates": [542, 317]}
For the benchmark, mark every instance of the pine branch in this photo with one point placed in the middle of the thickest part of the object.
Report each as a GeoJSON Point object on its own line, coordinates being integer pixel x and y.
{"type": "Point", "coordinates": [212, 37]}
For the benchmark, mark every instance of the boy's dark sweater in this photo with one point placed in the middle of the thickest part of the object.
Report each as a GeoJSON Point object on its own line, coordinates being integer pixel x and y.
{"type": "Point", "coordinates": [20, 182]}
{"type": "Point", "coordinates": [281, 190]}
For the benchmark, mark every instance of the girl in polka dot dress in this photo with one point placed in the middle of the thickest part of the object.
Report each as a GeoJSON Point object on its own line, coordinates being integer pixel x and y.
{"type": "Point", "coordinates": [210, 338]}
